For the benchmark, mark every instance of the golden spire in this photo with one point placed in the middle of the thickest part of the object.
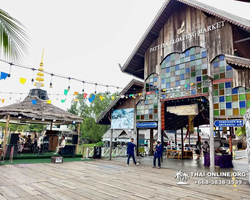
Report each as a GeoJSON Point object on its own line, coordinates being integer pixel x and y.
{"type": "Point", "coordinates": [40, 74]}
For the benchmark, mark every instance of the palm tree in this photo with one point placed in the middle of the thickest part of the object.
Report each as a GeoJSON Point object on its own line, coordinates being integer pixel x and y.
{"type": "Point", "coordinates": [13, 38]}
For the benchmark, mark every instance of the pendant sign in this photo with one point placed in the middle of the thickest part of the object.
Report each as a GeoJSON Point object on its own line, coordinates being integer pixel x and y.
{"type": "Point", "coordinates": [229, 123]}
{"type": "Point", "coordinates": [146, 125]}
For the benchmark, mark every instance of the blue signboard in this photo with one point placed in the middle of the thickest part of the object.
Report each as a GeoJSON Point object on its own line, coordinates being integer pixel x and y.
{"type": "Point", "coordinates": [229, 123]}
{"type": "Point", "coordinates": [146, 125]}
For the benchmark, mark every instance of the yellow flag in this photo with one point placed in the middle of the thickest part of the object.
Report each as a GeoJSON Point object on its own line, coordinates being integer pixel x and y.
{"type": "Point", "coordinates": [140, 94]}
{"type": "Point", "coordinates": [23, 80]}
{"type": "Point", "coordinates": [113, 97]}
{"type": "Point", "coordinates": [3, 100]}
{"type": "Point", "coordinates": [49, 101]}
{"type": "Point", "coordinates": [76, 99]}
{"type": "Point", "coordinates": [76, 93]}
{"type": "Point", "coordinates": [101, 97]}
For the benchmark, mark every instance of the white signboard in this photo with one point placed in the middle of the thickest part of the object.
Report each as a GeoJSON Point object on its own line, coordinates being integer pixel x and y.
{"type": "Point", "coordinates": [122, 119]}
{"type": "Point", "coordinates": [184, 110]}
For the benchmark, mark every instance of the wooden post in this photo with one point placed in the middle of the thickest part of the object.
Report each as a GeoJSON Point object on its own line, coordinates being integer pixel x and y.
{"type": "Point", "coordinates": [6, 134]}
{"type": "Point", "coordinates": [110, 144]}
{"type": "Point", "coordinates": [78, 131]}
{"type": "Point", "coordinates": [230, 142]}
{"type": "Point", "coordinates": [51, 123]}
{"type": "Point", "coordinates": [182, 146]}
{"type": "Point", "coordinates": [151, 139]}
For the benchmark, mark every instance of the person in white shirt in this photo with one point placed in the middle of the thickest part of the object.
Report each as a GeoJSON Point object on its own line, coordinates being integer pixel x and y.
{"type": "Point", "coordinates": [62, 145]}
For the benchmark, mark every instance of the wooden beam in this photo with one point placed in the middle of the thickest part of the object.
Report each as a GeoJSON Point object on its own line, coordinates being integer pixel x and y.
{"type": "Point", "coordinates": [154, 33]}
{"type": "Point", "coordinates": [78, 131]}
{"type": "Point", "coordinates": [242, 40]}
{"type": "Point", "coordinates": [6, 134]}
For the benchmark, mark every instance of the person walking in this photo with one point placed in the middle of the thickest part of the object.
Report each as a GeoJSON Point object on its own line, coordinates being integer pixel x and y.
{"type": "Point", "coordinates": [158, 154]}
{"type": "Point", "coordinates": [198, 149]}
{"type": "Point", "coordinates": [130, 151]}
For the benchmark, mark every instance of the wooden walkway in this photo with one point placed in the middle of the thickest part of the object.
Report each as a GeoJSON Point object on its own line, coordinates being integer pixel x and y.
{"type": "Point", "coordinates": [103, 179]}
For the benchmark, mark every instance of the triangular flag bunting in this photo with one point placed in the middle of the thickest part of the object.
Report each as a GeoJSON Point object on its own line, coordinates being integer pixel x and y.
{"type": "Point", "coordinates": [49, 101]}
{"type": "Point", "coordinates": [113, 97]}
{"type": "Point", "coordinates": [85, 95]}
{"type": "Point", "coordinates": [140, 94]}
{"type": "Point", "coordinates": [65, 92]}
{"type": "Point", "coordinates": [3, 75]}
{"type": "Point", "coordinates": [92, 98]}
{"type": "Point", "coordinates": [23, 80]}
{"type": "Point", "coordinates": [76, 99]}
{"type": "Point", "coordinates": [130, 95]}
{"type": "Point", "coordinates": [63, 100]}
{"type": "Point", "coordinates": [75, 93]}
{"type": "Point", "coordinates": [3, 100]}
{"type": "Point", "coordinates": [33, 102]}
{"type": "Point", "coordinates": [156, 91]}
{"type": "Point", "coordinates": [101, 97]}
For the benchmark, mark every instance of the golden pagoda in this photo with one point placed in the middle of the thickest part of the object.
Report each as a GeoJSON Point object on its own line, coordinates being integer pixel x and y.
{"type": "Point", "coordinates": [40, 74]}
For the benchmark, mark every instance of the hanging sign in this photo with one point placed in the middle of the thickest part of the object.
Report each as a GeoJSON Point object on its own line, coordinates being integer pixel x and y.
{"type": "Point", "coordinates": [184, 110]}
{"type": "Point", "coordinates": [229, 123]}
{"type": "Point", "coordinates": [146, 125]}
{"type": "Point", "coordinates": [187, 36]}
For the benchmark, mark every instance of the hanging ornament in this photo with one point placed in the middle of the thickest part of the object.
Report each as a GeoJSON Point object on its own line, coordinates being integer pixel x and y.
{"type": "Point", "coordinates": [83, 86]}
{"type": "Point", "coordinates": [117, 94]}
{"type": "Point", "coordinates": [107, 90]}
{"type": "Point", "coordinates": [50, 85]}
{"type": "Point", "coordinates": [32, 80]}
{"type": "Point", "coordinates": [10, 69]}
{"type": "Point", "coordinates": [95, 87]}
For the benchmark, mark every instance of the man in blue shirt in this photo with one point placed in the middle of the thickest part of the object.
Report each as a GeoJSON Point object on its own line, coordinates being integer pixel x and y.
{"type": "Point", "coordinates": [130, 151]}
{"type": "Point", "coordinates": [158, 154]}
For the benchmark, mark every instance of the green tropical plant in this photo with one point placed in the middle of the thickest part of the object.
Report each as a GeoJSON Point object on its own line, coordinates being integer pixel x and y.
{"type": "Point", "coordinates": [13, 38]}
{"type": "Point", "coordinates": [90, 112]}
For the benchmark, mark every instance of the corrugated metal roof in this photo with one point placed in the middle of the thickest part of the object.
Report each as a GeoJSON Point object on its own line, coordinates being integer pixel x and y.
{"type": "Point", "coordinates": [135, 61]}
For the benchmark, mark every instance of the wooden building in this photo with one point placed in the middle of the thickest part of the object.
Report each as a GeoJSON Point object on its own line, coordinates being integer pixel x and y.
{"type": "Point", "coordinates": [188, 51]}
{"type": "Point", "coordinates": [124, 101]}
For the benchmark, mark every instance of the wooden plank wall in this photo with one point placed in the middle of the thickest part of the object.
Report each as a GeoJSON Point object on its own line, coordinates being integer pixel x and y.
{"type": "Point", "coordinates": [219, 41]}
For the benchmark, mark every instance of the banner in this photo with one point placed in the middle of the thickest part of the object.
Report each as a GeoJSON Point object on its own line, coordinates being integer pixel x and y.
{"type": "Point", "coordinates": [184, 110]}
{"type": "Point", "coordinates": [122, 119]}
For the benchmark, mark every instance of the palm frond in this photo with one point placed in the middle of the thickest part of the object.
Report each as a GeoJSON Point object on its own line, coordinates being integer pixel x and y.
{"type": "Point", "coordinates": [13, 38]}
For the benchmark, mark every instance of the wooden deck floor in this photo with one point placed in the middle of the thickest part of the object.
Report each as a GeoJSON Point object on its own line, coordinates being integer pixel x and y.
{"type": "Point", "coordinates": [103, 179]}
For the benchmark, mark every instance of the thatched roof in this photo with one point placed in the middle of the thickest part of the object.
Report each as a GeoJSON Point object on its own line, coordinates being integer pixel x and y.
{"type": "Point", "coordinates": [41, 112]}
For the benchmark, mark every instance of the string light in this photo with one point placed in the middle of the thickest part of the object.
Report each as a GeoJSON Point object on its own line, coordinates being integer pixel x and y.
{"type": "Point", "coordinates": [10, 69]}
{"type": "Point", "coordinates": [56, 75]}
{"type": "Point", "coordinates": [50, 85]}
{"type": "Point", "coordinates": [95, 87]}
{"type": "Point", "coordinates": [83, 86]}
{"type": "Point", "coordinates": [69, 84]}
{"type": "Point", "coordinates": [32, 80]}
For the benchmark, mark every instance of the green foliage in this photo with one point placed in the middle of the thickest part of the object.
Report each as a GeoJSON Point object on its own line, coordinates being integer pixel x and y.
{"type": "Point", "coordinates": [13, 38]}
{"type": "Point", "coordinates": [37, 127]}
{"type": "Point", "coordinates": [240, 131]}
{"type": "Point", "coordinates": [26, 127]}
{"type": "Point", "coordinates": [90, 112]}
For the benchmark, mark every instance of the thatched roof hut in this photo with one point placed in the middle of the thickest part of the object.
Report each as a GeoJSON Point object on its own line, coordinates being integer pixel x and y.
{"type": "Point", "coordinates": [41, 112]}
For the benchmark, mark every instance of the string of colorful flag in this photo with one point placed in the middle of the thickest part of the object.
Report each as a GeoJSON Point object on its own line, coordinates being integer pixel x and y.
{"type": "Point", "coordinates": [90, 96]}
{"type": "Point", "coordinates": [4, 75]}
